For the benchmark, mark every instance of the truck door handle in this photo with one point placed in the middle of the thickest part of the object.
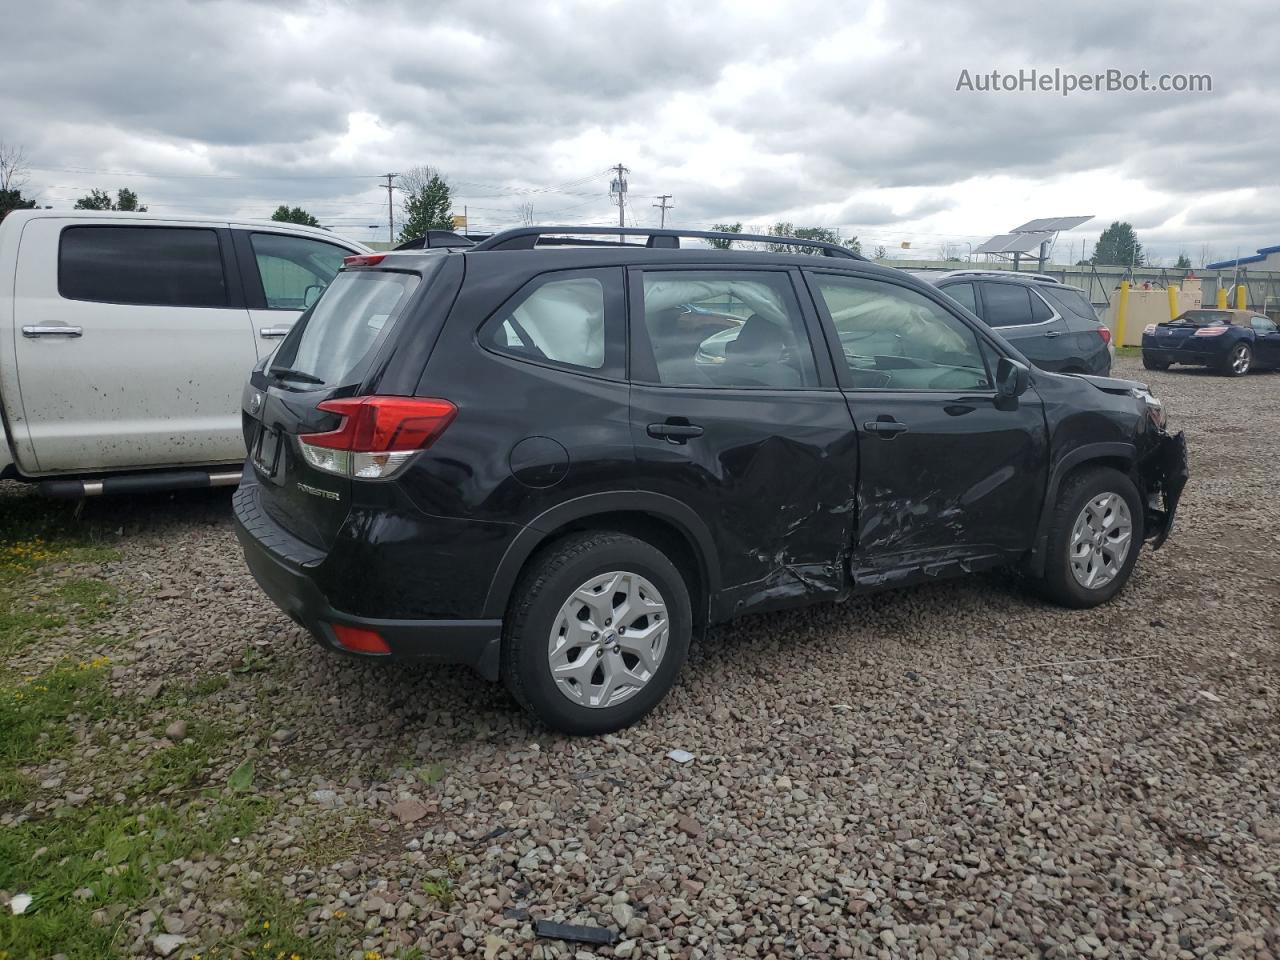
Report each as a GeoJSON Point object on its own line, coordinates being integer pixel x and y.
{"type": "Point", "coordinates": [274, 331]}
{"type": "Point", "coordinates": [674, 432]}
{"type": "Point", "coordinates": [887, 429]}
{"type": "Point", "coordinates": [59, 330]}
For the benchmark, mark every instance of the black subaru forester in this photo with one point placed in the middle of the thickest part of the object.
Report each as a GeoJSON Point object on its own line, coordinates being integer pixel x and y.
{"type": "Point", "coordinates": [556, 462]}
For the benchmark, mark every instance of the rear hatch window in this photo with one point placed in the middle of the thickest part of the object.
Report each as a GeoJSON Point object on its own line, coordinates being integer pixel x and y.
{"type": "Point", "coordinates": [326, 356]}
{"type": "Point", "coordinates": [336, 342]}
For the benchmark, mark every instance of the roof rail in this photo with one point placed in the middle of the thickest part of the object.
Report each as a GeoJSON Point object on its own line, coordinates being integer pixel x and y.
{"type": "Point", "coordinates": [1005, 274]}
{"type": "Point", "coordinates": [526, 238]}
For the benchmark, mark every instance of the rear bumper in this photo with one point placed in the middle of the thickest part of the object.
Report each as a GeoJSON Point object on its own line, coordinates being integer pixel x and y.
{"type": "Point", "coordinates": [285, 568]}
{"type": "Point", "coordinates": [1208, 358]}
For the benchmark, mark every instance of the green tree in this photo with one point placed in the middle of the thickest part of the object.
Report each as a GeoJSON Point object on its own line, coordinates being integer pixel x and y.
{"type": "Point", "coordinates": [426, 205]}
{"type": "Point", "coordinates": [11, 200]}
{"type": "Point", "coordinates": [286, 214]}
{"type": "Point", "coordinates": [825, 234]}
{"type": "Point", "coordinates": [1184, 262]}
{"type": "Point", "coordinates": [125, 200]}
{"type": "Point", "coordinates": [721, 244]}
{"type": "Point", "coordinates": [1117, 246]}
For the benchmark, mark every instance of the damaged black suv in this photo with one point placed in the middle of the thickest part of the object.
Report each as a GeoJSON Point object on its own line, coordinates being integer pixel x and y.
{"type": "Point", "coordinates": [556, 460]}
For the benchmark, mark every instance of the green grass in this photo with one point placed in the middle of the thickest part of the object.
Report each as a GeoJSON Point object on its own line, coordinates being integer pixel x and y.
{"type": "Point", "coordinates": [1135, 352]}
{"type": "Point", "coordinates": [24, 619]}
{"type": "Point", "coordinates": [440, 890]}
{"type": "Point", "coordinates": [35, 532]}
{"type": "Point", "coordinates": [111, 849]}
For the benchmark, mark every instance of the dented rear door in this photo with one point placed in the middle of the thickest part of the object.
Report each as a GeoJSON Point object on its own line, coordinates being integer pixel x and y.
{"type": "Point", "coordinates": [756, 439]}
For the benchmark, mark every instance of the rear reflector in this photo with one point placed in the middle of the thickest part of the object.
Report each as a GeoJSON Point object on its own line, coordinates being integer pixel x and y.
{"type": "Point", "coordinates": [1105, 334]}
{"type": "Point", "coordinates": [364, 260]}
{"type": "Point", "coordinates": [359, 640]}
{"type": "Point", "coordinates": [377, 435]}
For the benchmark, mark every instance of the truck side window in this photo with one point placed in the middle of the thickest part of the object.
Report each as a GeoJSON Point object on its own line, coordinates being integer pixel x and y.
{"type": "Point", "coordinates": [294, 270]}
{"type": "Point", "coordinates": [150, 266]}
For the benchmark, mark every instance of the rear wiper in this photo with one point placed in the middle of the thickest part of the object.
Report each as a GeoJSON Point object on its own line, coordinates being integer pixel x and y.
{"type": "Point", "coordinates": [284, 373]}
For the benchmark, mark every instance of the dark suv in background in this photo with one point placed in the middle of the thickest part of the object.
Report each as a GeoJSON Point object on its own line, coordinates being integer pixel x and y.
{"type": "Point", "coordinates": [1054, 325]}
{"type": "Point", "coordinates": [557, 463]}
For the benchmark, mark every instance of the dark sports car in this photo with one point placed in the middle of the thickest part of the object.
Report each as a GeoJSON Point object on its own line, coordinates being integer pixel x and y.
{"type": "Point", "coordinates": [1233, 342]}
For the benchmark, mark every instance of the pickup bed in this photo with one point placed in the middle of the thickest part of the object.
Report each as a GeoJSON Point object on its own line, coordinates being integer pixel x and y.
{"type": "Point", "coordinates": [125, 340]}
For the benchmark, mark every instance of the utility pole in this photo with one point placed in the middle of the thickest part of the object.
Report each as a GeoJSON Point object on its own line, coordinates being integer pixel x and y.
{"type": "Point", "coordinates": [664, 207]}
{"type": "Point", "coordinates": [391, 210]}
{"type": "Point", "coordinates": [619, 189]}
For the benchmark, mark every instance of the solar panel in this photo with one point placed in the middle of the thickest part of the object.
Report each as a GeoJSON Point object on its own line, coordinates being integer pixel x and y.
{"type": "Point", "coordinates": [1051, 224]}
{"type": "Point", "coordinates": [1014, 243]}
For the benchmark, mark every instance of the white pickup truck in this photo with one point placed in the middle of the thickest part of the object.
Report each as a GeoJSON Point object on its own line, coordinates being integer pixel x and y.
{"type": "Point", "coordinates": [126, 338]}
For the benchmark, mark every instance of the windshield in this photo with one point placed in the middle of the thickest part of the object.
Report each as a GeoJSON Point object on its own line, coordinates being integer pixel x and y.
{"type": "Point", "coordinates": [336, 341]}
{"type": "Point", "coordinates": [1204, 318]}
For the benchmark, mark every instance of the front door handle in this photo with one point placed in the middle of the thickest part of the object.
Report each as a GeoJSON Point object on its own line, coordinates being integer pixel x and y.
{"type": "Point", "coordinates": [674, 432]}
{"type": "Point", "coordinates": [57, 330]}
{"type": "Point", "coordinates": [886, 429]}
{"type": "Point", "coordinates": [274, 331]}
{"type": "Point", "coordinates": [1054, 333]}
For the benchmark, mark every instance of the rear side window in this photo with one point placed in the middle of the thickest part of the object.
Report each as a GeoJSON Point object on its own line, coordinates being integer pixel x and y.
{"type": "Point", "coordinates": [560, 320]}
{"type": "Point", "coordinates": [1006, 304]}
{"type": "Point", "coordinates": [962, 293]}
{"type": "Point", "coordinates": [294, 270]}
{"type": "Point", "coordinates": [1071, 301]}
{"type": "Point", "coordinates": [727, 329]}
{"type": "Point", "coordinates": [152, 266]}
{"type": "Point", "coordinates": [337, 340]}
{"type": "Point", "coordinates": [1040, 311]}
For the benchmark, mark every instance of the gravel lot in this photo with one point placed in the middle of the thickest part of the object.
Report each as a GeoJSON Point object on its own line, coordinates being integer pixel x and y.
{"type": "Point", "coordinates": [938, 772]}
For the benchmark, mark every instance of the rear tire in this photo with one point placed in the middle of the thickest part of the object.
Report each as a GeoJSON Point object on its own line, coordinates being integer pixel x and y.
{"type": "Point", "coordinates": [564, 657]}
{"type": "Point", "coordinates": [1083, 562]}
{"type": "Point", "coordinates": [1153, 364]}
{"type": "Point", "coordinates": [1239, 361]}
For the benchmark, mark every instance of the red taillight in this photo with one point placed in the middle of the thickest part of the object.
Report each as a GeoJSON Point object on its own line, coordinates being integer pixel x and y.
{"type": "Point", "coordinates": [1105, 334]}
{"type": "Point", "coordinates": [364, 260]}
{"type": "Point", "coordinates": [377, 434]}
{"type": "Point", "coordinates": [1211, 331]}
{"type": "Point", "coordinates": [359, 640]}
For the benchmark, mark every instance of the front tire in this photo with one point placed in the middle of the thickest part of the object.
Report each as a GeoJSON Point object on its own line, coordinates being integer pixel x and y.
{"type": "Point", "coordinates": [1095, 536]}
{"type": "Point", "coordinates": [1239, 361]}
{"type": "Point", "coordinates": [598, 628]}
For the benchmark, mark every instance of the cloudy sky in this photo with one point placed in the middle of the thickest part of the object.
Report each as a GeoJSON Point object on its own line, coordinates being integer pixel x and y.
{"type": "Point", "coordinates": [835, 114]}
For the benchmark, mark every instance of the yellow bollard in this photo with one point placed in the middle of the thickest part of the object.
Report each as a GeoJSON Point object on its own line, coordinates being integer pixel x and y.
{"type": "Point", "coordinates": [1240, 304]}
{"type": "Point", "coordinates": [1173, 303]}
{"type": "Point", "coordinates": [1122, 308]}
{"type": "Point", "coordinates": [1222, 298]}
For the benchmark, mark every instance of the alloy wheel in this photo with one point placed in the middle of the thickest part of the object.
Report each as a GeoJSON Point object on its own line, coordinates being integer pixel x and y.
{"type": "Point", "coordinates": [608, 639]}
{"type": "Point", "coordinates": [1100, 540]}
{"type": "Point", "coordinates": [1240, 359]}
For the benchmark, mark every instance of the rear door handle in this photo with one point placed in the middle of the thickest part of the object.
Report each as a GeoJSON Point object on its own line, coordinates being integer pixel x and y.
{"type": "Point", "coordinates": [674, 432]}
{"type": "Point", "coordinates": [885, 428]}
{"type": "Point", "coordinates": [274, 331]}
{"type": "Point", "coordinates": [58, 330]}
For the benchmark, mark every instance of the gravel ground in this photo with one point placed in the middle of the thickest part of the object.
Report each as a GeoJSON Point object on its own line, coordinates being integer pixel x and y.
{"type": "Point", "coordinates": [951, 771]}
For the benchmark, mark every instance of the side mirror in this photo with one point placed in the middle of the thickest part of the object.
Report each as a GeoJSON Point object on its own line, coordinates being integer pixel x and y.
{"type": "Point", "coordinates": [1012, 378]}
{"type": "Point", "coordinates": [311, 295]}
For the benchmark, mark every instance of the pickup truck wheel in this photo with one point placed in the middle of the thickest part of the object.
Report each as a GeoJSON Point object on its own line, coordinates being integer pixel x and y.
{"type": "Point", "coordinates": [1095, 536]}
{"type": "Point", "coordinates": [598, 628]}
